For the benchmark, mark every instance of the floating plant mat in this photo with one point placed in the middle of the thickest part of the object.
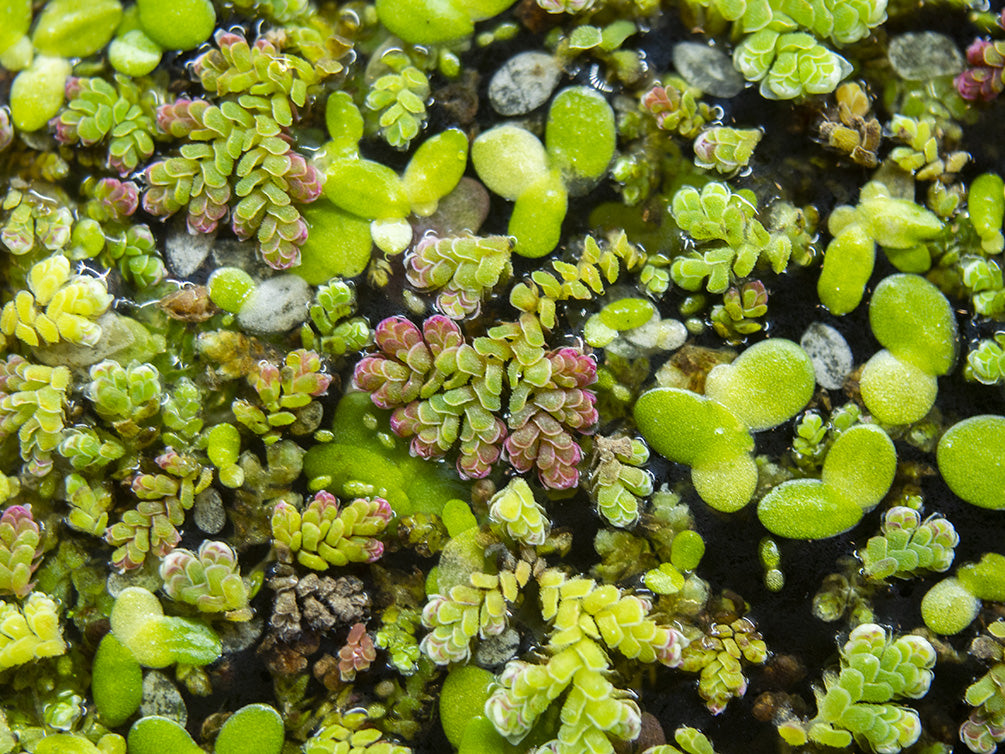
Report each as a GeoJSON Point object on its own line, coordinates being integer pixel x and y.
{"type": "Point", "coordinates": [564, 376]}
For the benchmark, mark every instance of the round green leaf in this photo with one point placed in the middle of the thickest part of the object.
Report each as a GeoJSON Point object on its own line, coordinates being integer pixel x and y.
{"type": "Point", "coordinates": [75, 28]}
{"type": "Point", "coordinates": [178, 24]}
{"type": "Point", "coordinates": [949, 607]}
{"type": "Point", "coordinates": [508, 160]}
{"type": "Point", "coordinates": [425, 22]}
{"type": "Point", "coordinates": [971, 457]}
{"type": "Point", "coordinates": [338, 244]}
{"type": "Point", "coordinates": [580, 137]}
{"type": "Point", "coordinates": [15, 19]}
{"type": "Point", "coordinates": [807, 509]}
{"type": "Point", "coordinates": [134, 53]}
{"type": "Point", "coordinates": [463, 698]}
{"type": "Point", "coordinates": [366, 188]}
{"type": "Point", "coordinates": [689, 428]}
{"type": "Point", "coordinates": [37, 93]}
{"type": "Point", "coordinates": [253, 729]}
{"type": "Point", "coordinates": [847, 266]}
{"type": "Point", "coordinates": [436, 168]}
{"type": "Point", "coordinates": [767, 384]}
{"type": "Point", "coordinates": [536, 222]}
{"type": "Point", "coordinates": [895, 391]}
{"type": "Point", "coordinates": [861, 465]}
{"type": "Point", "coordinates": [116, 682]}
{"type": "Point", "coordinates": [914, 321]}
{"type": "Point", "coordinates": [160, 735]}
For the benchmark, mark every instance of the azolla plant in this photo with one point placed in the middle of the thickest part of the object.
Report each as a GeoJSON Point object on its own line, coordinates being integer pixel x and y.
{"type": "Point", "coordinates": [491, 376]}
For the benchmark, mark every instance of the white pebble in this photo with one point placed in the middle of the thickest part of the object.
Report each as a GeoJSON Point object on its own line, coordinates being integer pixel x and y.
{"type": "Point", "coordinates": [277, 305]}
{"type": "Point", "coordinates": [922, 55]}
{"type": "Point", "coordinates": [708, 69]}
{"type": "Point", "coordinates": [185, 252]}
{"type": "Point", "coordinates": [524, 83]}
{"type": "Point", "coordinates": [830, 354]}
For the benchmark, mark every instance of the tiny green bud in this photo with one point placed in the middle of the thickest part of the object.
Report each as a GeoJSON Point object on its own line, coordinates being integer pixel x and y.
{"type": "Point", "coordinates": [230, 288]}
{"type": "Point", "coordinates": [179, 24]}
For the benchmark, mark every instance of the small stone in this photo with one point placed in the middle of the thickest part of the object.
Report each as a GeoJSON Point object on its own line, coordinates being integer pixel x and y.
{"type": "Point", "coordinates": [830, 354]}
{"type": "Point", "coordinates": [238, 636]}
{"type": "Point", "coordinates": [524, 83]}
{"type": "Point", "coordinates": [494, 651]}
{"type": "Point", "coordinates": [277, 305]}
{"type": "Point", "coordinates": [922, 55]}
{"type": "Point", "coordinates": [463, 210]}
{"type": "Point", "coordinates": [185, 252]}
{"type": "Point", "coordinates": [708, 69]}
{"type": "Point", "coordinates": [209, 514]}
{"type": "Point", "coordinates": [146, 578]}
{"type": "Point", "coordinates": [161, 697]}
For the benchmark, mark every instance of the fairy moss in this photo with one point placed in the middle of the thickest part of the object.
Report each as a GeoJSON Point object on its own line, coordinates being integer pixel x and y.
{"type": "Point", "coordinates": [368, 384]}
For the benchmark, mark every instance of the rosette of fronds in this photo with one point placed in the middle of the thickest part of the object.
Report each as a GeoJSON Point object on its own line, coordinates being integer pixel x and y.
{"type": "Point", "coordinates": [89, 505]}
{"type": "Point", "coordinates": [515, 511]}
{"type": "Point", "coordinates": [984, 728]}
{"type": "Point", "coordinates": [984, 80]}
{"type": "Point", "coordinates": [927, 154]}
{"type": "Point", "coordinates": [618, 482]}
{"type": "Point", "coordinates": [57, 306]}
{"type": "Point", "coordinates": [445, 392]}
{"type": "Point", "coordinates": [398, 98]}
{"type": "Point", "coordinates": [726, 150]}
{"type": "Point", "coordinates": [441, 389]}
{"type": "Point", "coordinates": [741, 308]}
{"type": "Point", "coordinates": [789, 65]}
{"type": "Point", "coordinates": [121, 115]}
{"type": "Point", "coordinates": [327, 534]}
{"type": "Point", "coordinates": [478, 608]}
{"type": "Point", "coordinates": [20, 550]}
{"type": "Point", "coordinates": [261, 70]}
{"type": "Point", "coordinates": [335, 331]}
{"type": "Point", "coordinates": [463, 269]}
{"type": "Point", "coordinates": [357, 654]}
{"type": "Point", "coordinates": [124, 396]}
{"type": "Point", "coordinates": [856, 703]}
{"type": "Point", "coordinates": [585, 621]}
{"type": "Point", "coordinates": [36, 219]}
{"type": "Point", "coordinates": [151, 527]}
{"type": "Point", "coordinates": [597, 266]}
{"type": "Point", "coordinates": [110, 200]}
{"type": "Point", "coordinates": [181, 414]}
{"type": "Point", "coordinates": [134, 252]}
{"type": "Point", "coordinates": [986, 361]}
{"type": "Point", "coordinates": [718, 655]}
{"type": "Point", "coordinates": [237, 152]}
{"type": "Point", "coordinates": [349, 732]}
{"type": "Point", "coordinates": [842, 21]}
{"type": "Point", "coordinates": [209, 579]}
{"type": "Point", "coordinates": [542, 421]}
{"type": "Point", "coordinates": [30, 632]}
{"type": "Point", "coordinates": [909, 545]}
{"type": "Point", "coordinates": [982, 281]}
{"type": "Point", "coordinates": [717, 214]}
{"type": "Point", "coordinates": [676, 108]}
{"type": "Point", "coordinates": [565, 6]}
{"type": "Point", "coordinates": [32, 400]}
{"type": "Point", "coordinates": [282, 392]}
{"type": "Point", "coordinates": [746, 15]}
{"type": "Point", "coordinates": [396, 635]}
{"type": "Point", "coordinates": [84, 447]}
